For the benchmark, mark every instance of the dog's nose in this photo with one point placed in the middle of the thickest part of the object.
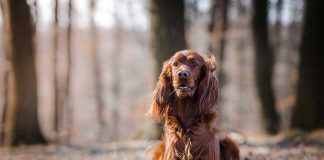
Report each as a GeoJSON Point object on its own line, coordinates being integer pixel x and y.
{"type": "Point", "coordinates": [182, 74]}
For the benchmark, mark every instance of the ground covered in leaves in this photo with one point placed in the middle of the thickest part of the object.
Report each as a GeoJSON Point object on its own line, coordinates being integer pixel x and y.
{"type": "Point", "coordinates": [301, 147]}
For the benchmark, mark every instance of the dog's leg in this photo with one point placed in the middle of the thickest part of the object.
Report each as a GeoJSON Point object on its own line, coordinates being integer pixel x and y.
{"type": "Point", "coordinates": [229, 150]}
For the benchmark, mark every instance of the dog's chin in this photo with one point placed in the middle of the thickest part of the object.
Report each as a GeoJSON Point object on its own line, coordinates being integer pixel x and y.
{"type": "Point", "coordinates": [183, 92]}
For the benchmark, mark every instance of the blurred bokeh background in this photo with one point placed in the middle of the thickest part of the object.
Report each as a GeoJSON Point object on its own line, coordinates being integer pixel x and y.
{"type": "Point", "coordinates": [81, 72]}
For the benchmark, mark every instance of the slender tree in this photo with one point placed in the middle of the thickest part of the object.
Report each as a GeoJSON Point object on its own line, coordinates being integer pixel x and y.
{"type": "Point", "coordinates": [5, 79]}
{"type": "Point", "coordinates": [67, 102]}
{"type": "Point", "coordinates": [58, 97]}
{"type": "Point", "coordinates": [278, 24]}
{"type": "Point", "coordinates": [218, 26]}
{"type": "Point", "coordinates": [168, 33]}
{"type": "Point", "coordinates": [224, 28]}
{"type": "Point", "coordinates": [97, 73]}
{"type": "Point", "coordinates": [21, 119]}
{"type": "Point", "coordinates": [116, 60]}
{"type": "Point", "coordinates": [1, 7]}
{"type": "Point", "coordinates": [264, 59]}
{"type": "Point", "coordinates": [35, 5]}
{"type": "Point", "coordinates": [308, 113]}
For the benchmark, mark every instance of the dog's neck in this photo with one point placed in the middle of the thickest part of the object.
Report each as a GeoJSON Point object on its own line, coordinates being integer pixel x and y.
{"type": "Point", "coordinates": [183, 109]}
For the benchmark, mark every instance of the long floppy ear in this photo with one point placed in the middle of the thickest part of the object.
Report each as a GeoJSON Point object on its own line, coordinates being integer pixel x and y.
{"type": "Point", "coordinates": [162, 93]}
{"type": "Point", "coordinates": [208, 87]}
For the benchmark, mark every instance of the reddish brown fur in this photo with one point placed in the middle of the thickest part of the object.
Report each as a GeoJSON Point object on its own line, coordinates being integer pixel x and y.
{"type": "Point", "coordinates": [189, 116]}
{"type": "Point", "coordinates": [228, 148]}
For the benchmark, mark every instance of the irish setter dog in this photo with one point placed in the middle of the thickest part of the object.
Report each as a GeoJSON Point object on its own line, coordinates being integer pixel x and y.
{"type": "Point", "coordinates": [185, 98]}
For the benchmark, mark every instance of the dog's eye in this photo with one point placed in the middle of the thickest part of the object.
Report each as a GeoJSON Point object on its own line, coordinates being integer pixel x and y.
{"type": "Point", "coordinates": [194, 63]}
{"type": "Point", "coordinates": [175, 64]}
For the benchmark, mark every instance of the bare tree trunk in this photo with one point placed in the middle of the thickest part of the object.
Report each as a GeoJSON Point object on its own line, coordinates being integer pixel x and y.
{"type": "Point", "coordinates": [5, 104]}
{"type": "Point", "coordinates": [58, 98]}
{"type": "Point", "coordinates": [278, 24]}
{"type": "Point", "coordinates": [97, 74]}
{"type": "Point", "coordinates": [218, 26]}
{"type": "Point", "coordinates": [1, 7]}
{"type": "Point", "coordinates": [115, 60]}
{"type": "Point", "coordinates": [35, 5]}
{"type": "Point", "coordinates": [5, 79]}
{"type": "Point", "coordinates": [67, 104]}
{"type": "Point", "coordinates": [264, 65]}
{"type": "Point", "coordinates": [168, 34]}
{"type": "Point", "coordinates": [308, 113]}
{"type": "Point", "coordinates": [224, 28]}
{"type": "Point", "coordinates": [21, 113]}
{"type": "Point", "coordinates": [213, 15]}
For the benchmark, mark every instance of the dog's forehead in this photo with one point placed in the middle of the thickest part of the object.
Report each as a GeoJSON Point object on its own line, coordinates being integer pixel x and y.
{"type": "Point", "coordinates": [187, 54]}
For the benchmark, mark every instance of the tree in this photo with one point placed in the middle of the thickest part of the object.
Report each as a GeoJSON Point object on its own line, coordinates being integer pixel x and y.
{"type": "Point", "coordinates": [116, 61]}
{"type": "Point", "coordinates": [35, 11]}
{"type": "Point", "coordinates": [308, 113]}
{"type": "Point", "coordinates": [21, 120]}
{"type": "Point", "coordinates": [97, 73]}
{"type": "Point", "coordinates": [5, 79]}
{"type": "Point", "coordinates": [264, 60]}
{"type": "Point", "coordinates": [168, 33]}
{"type": "Point", "coordinates": [58, 97]}
{"type": "Point", "coordinates": [67, 93]}
{"type": "Point", "coordinates": [218, 25]}
{"type": "Point", "coordinates": [278, 24]}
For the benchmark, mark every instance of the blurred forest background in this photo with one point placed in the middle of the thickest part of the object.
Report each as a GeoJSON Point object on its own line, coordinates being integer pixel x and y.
{"type": "Point", "coordinates": [80, 73]}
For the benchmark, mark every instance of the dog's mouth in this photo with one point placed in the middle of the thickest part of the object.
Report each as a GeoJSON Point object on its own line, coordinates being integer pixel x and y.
{"type": "Point", "coordinates": [184, 90]}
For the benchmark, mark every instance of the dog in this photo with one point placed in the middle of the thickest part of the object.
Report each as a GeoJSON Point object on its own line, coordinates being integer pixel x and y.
{"type": "Point", "coordinates": [185, 99]}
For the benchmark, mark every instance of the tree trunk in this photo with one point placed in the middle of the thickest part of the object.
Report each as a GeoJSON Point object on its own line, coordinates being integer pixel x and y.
{"type": "Point", "coordinates": [277, 29]}
{"type": "Point", "coordinates": [168, 30]}
{"type": "Point", "coordinates": [5, 78]}
{"type": "Point", "coordinates": [97, 74]}
{"type": "Point", "coordinates": [168, 34]}
{"type": "Point", "coordinates": [308, 113]}
{"type": "Point", "coordinates": [58, 97]}
{"type": "Point", "coordinates": [218, 26]}
{"type": "Point", "coordinates": [35, 5]}
{"type": "Point", "coordinates": [67, 103]}
{"type": "Point", "coordinates": [264, 65]}
{"type": "Point", "coordinates": [224, 28]}
{"type": "Point", "coordinates": [21, 113]}
{"type": "Point", "coordinates": [5, 104]}
{"type": "Point", "coordinates": [115, 60]}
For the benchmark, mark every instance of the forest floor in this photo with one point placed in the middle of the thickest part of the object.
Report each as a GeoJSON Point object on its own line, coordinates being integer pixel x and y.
{"type": "Point", "coordinates": [301, 147]}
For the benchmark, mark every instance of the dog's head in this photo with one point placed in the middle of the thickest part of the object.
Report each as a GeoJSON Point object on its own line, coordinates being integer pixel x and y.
{"type": "Point", "coordinates": [185, 74]}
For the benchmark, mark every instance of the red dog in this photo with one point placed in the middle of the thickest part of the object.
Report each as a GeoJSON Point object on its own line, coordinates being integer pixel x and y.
{"type": "Point", "coordinates": [185, 98]}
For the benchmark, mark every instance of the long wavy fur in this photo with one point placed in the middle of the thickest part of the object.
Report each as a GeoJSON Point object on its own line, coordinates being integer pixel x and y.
{"type": "Point", "coordinates": [199, 140]}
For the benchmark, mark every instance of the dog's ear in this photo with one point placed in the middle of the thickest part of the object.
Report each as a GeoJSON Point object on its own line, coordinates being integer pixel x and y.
{"type": "Point", "coordinates": [162, 93]}
{"type": "Point", "coordinates": [208, 87]}
{"type": "Point", "coordinates": [210, 62]}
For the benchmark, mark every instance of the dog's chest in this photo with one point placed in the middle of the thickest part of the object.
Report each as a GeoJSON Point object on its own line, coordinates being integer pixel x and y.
{"type": "Point", "coordinates": [191, 141]}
